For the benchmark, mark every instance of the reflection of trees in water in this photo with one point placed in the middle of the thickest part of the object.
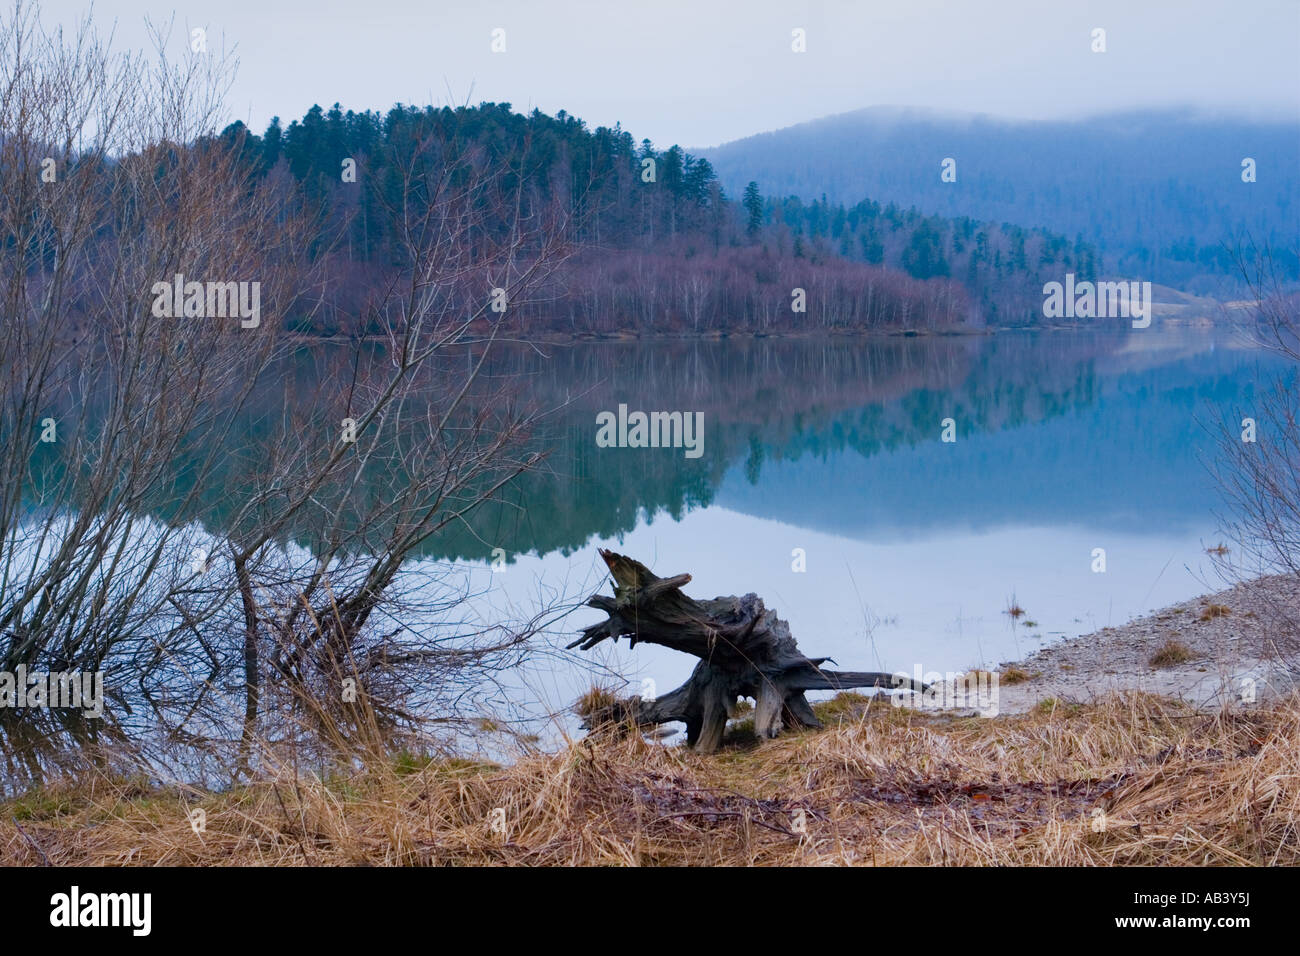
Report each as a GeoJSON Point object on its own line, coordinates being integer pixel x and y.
{"type": "Point", "coordinates": [766, 400]}
{"type": "Point", "coordinates": [763, 400]}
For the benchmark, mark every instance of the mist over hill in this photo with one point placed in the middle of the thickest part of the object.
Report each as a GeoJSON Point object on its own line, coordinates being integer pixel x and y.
{"type": "Point", "coordinates": [1159, 191]}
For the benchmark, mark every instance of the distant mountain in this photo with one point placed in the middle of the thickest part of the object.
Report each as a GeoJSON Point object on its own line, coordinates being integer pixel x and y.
{"type": "Point", "coordinates": [1160, 192]}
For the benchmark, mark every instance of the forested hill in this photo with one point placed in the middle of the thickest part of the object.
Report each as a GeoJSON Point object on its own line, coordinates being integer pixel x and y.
{"type": "Point", "coordinates": [659, 245]}
{"type": "Point", "coordinates": [1160, 192]}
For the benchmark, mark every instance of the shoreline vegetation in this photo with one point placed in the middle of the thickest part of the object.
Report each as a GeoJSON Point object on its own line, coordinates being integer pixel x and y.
{"type": "Point", "coordinates": [636, 335]}
{"type": "Point", "coordinates": [1101, 754]}
{"type": "Point", "coordinates": [1171, 306]}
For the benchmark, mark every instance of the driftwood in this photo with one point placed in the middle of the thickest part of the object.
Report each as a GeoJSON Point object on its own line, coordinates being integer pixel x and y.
{"type": "Point", "coordinates": [745, 650]}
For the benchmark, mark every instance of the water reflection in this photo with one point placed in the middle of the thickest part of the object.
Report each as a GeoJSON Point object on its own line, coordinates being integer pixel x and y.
{"type": "Point", "coordinates": [830, 449]}
{"type": "Point", "coordinates": [1067, 442]}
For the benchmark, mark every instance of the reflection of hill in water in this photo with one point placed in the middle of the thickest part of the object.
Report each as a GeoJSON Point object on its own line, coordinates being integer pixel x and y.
{"type": "Point", "coordinates": [814, 433]}
{"type": "Point", "coordinates": [763, 401]}
{"type": "Point", "coordinates": [838, 434]}
{"type": "Point", "coordinates": [1127, 453]}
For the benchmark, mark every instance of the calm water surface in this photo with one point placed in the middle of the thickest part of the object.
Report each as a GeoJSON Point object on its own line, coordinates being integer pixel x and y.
{"type": "Point", "coordinates": [914, 548]}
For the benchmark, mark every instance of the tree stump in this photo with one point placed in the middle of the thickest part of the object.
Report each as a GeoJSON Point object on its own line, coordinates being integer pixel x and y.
{"type": "Point", "coordinates": [745, 650]}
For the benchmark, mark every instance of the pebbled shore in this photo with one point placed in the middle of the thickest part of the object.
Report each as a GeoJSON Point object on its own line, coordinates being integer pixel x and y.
{"type": "Point", "coordinates": [1234, 636]}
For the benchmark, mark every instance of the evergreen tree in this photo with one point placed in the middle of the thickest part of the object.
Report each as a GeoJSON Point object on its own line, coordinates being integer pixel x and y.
{"type": "Point", "coordinates": [753, 203]}
{"type": "Point", "coordinates": [873, 250]}
{"type": "Point", "coordinates": [923, 258]}
{"type": "Point", "coordinates": [272, 143]}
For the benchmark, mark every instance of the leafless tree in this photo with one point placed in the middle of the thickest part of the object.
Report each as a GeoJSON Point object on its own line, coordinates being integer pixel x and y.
{"type": "Point", "coordinates": [1258, 460]}
{"type": "Point", "coordinates": [234, 608]}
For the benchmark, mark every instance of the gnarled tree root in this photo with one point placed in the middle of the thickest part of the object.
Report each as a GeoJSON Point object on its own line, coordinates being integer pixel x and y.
{"type": "Point", "coordinates": [745, 650]}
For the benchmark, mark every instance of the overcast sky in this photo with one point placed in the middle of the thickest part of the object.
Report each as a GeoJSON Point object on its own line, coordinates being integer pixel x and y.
{"type": "Point", "coordinates": [702, 72]}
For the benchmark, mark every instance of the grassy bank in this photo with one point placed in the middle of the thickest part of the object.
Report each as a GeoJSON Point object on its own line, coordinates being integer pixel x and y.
{"type": "Point", "coordinates": [1130, 779]}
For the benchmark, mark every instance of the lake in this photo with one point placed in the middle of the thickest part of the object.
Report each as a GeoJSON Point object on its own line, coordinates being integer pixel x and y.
{"type": "Point", "coordinates": [913, 548]}
{"type": "Point", "coordinates": [1075, 487]}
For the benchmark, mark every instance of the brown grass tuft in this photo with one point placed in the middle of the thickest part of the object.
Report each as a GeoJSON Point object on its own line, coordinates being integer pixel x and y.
{"type": "Point", "coordinates": [1171, 653]}
{"type": "Point", "coordinates": [595, 701]}
{"type": "Point", "coordinates": [1015, 675]}
{"type": "Point", "coordinates": [1214, 610]}
{"type": "Point", "coordinates": [846, 705]}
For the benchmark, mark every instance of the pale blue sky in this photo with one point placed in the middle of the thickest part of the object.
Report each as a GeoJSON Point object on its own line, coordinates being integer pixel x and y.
{"type": "Point", "coordinates": [698, 72]}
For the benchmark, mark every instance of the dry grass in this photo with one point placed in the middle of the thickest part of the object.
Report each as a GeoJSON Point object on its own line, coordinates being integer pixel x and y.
{"type": "Point", "coordinates": [594, 701]}
{"type": "Point", "coordinates": [846, 705]}
{"type": "Point", "coordinates": [1171, 653]}
{"type": "Point", "coordinates": [887, 786]}
{"type": "Point", "coordinates": [1015, 675]}
{"type": "Point", "coordinates": [1214, 610]}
